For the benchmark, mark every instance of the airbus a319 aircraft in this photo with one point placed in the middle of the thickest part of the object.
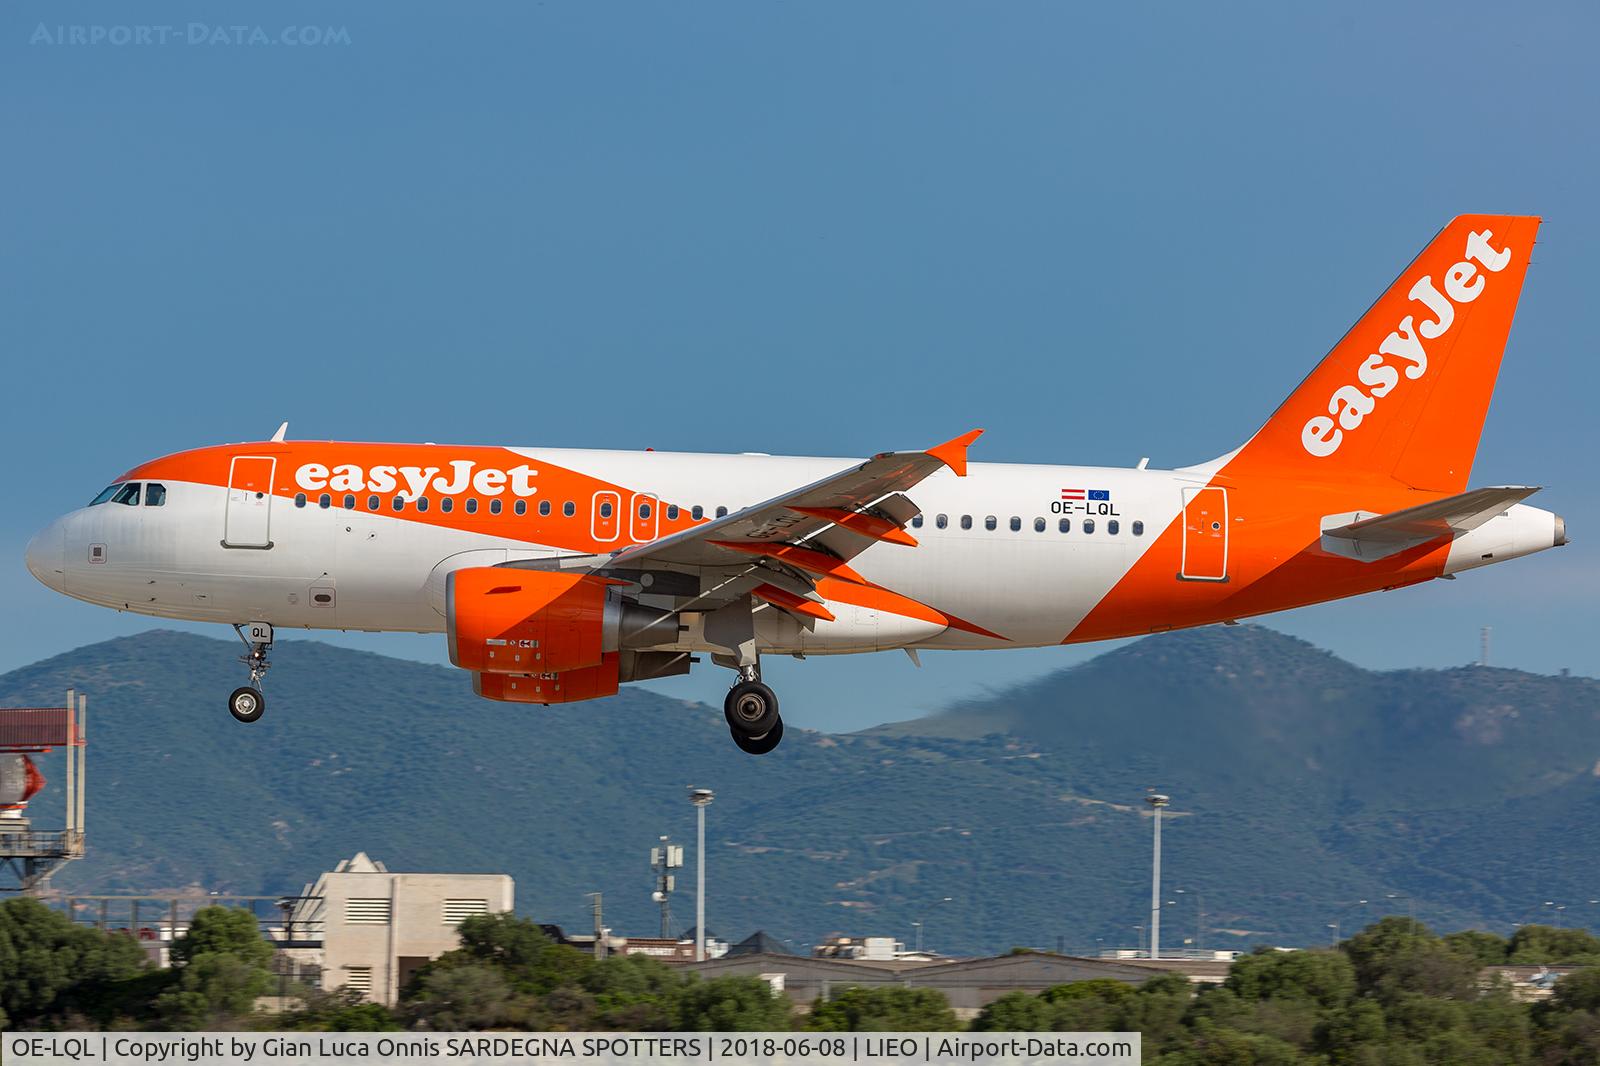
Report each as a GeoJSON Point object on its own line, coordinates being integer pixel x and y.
{"type": "Point", "coordinates": [557, 575]}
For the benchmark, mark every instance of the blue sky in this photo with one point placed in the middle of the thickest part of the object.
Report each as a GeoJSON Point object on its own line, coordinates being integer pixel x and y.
{"type": "Point", "coordinates": [1100, 231]}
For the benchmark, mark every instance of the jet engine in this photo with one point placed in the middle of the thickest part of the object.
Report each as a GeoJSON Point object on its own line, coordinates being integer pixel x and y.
{"type": "Point", "coordinates": [541, 623]}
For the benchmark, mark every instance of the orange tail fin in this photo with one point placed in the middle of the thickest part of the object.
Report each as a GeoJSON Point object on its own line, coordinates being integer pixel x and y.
{"type": "Point", "coordinates": [1404, 393]}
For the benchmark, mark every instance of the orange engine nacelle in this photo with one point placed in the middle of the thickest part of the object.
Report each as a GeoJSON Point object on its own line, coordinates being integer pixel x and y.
{"type": "Point", "coordinates": [508, 621]}
{"type": "Point", "coordinates": [567, 686]}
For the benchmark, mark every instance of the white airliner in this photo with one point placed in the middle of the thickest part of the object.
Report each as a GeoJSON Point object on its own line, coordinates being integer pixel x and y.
{"type": "Point", "coordinates": [557, 575]}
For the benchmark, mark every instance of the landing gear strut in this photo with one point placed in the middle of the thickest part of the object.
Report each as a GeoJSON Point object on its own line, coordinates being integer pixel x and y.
{"type": "Point", "coordinates": [248, 703]}
{"type": "Point", "coordinates": [751, 710]}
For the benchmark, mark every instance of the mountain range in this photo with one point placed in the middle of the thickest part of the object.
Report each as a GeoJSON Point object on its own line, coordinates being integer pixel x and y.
{"type": "Point", "coordinates": [1300, 784]}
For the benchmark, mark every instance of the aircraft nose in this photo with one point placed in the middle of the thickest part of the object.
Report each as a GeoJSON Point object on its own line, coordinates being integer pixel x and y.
{"type": "Point", "coordinates": [47, 556]}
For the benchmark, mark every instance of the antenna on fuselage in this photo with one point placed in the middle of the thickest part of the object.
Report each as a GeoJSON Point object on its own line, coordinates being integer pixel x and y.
{"type": "Point", "coordinates": [282, 430]}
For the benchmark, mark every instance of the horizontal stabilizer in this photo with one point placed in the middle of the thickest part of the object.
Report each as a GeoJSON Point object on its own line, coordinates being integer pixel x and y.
{"type": "Point", "coordinates": [1369, 537]}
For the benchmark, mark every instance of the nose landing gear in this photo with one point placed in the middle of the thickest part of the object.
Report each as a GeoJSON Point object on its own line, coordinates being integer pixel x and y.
{"type": "Point", "coordinates": [248, 703]}
{"type": "Point", "coordinates": [751, 710]}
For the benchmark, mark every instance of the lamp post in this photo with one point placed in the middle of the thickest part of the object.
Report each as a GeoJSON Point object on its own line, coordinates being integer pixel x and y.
{"type": "Point", "coordinates": [1338, 918]}
{"type": "Point", "coordinates": [918, 924]}
{"type": "Point", "coordinates": [1411, 907]}
{"type": "Point", "coordinates": [701, 798]}
{"type": "Point", "coordinates": [1158, 801]}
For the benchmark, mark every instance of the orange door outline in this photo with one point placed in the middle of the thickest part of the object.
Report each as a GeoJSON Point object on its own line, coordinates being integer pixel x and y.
{"type": "Point", "coordinates": [247, 523]}
{"type": "Point", "coordinates": [1205, 534]}
{"type": "Point", "coordinates": [603, 527]}
{"type": "Point", "coordinates": [643, 528]}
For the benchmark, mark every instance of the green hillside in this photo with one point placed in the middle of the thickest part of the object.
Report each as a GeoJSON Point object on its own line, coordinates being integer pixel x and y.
{"type": "Point", "coordinates": [1299, 782]}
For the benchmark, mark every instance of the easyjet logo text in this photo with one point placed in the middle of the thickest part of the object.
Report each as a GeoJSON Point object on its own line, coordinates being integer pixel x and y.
{"type": "Point", "coordinates": [452, 479]}
{"type": "Point", "coordinates": [1377, 375]}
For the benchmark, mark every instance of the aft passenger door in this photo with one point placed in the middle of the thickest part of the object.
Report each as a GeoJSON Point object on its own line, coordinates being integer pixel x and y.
{"type": "Point", "coordinates": [1205, 534]}
{"type": "Point", "coordinates": [248, 522]}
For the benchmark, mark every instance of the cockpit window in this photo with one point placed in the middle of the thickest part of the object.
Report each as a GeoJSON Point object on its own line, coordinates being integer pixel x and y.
{"type": "Point", "coordinates": [128, 494]}
{"type": "Point", "coordinates": [105, 494]}
{"type": "Point", "coordinates": [155, 494]}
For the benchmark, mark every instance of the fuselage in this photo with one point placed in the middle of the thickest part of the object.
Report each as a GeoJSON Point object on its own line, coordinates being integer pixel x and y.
{"type": "Point", "coordinates": [358, 536]}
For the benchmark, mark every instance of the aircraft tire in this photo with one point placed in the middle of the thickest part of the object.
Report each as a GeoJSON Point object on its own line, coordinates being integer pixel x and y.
{"type": "Point", "coordinates": [759, 745]}
{"type": "Point", "coordinates": [247, 704]}
{"type": "Point", "coordinates": [751, 709]}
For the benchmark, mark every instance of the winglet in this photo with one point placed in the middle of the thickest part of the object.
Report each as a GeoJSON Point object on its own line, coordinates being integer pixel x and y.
{"type": "Point", "coordinates": [282, 431]}
{"type": "Point", "coordinates": [953, 453]}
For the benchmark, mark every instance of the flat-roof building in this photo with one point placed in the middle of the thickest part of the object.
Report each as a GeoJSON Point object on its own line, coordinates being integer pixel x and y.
{"type": "Point", "coordinates": [378, 928]}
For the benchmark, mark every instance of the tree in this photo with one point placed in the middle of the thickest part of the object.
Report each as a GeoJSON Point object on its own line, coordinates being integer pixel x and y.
{"type": "Point", "coordinates": [1014, 1012]}
{"type": "Point", "coordinates": [884, 1008]}
{"type": "Point", "coordinates": [223, 931]}
{"type": "Point", "coordinates": [50, 966]}
{"type": "Point", "coordinates": [528, 961]}
{"type": "Point", "coordinates": [1488, 948]}
{"type": "Point", "coordinates": [470, 995]}
{"type": "Point", "coordinates": [1326, 978]}
{"type": "Point", "coordinates": [633, 992]}
{"type": "Point", "coordinates": [1542, 944]}
{"type": "Point", "coordinates": [341, 1011]}
{"type": "Point", "coordinates": [212, 988]}
{"type": "Point", "coordinates": [1396, 956]}
{"type": "Point", "coordinates": [732, 1005]}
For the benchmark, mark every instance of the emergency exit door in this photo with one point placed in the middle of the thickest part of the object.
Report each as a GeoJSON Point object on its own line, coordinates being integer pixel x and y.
{"type": "Point", "coordinates": [605, 523]}
{"type": "Point", "coordinates": [248, 523]}
{"type": "Point", "coordinates": [1205, 534]}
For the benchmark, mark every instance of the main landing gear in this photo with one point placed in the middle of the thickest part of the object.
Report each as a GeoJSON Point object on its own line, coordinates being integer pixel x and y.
{"type": "Point", "coordinates": [751, 709]}
{"type": "Point", "coordinates": [248, 703]}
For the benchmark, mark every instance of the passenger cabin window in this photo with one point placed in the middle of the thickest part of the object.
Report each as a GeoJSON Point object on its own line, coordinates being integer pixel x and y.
{"type": "Point", "coordinates": [1038, 525]}
{"type": "Point", "coordinates": [916, 521]}
{"type": "Point", "coordinates": [942, 521]}
{"type": "Point", "coordinates": [1138, 528]}
{"type": "Point", "coordinates": [494, 506]}
{"type": "Point", "coordinates": [1113, 527]}
{"type": "Point", "coordinates": [472, 505]}
{"type": "Point", "coordinates": [521, 507]}
{"type": "Point", "coordinates": [1016, 524]}
{"type": "Point", "coordinates": [446, 504]}
{"type": "Point", "coordinates": [299, 499]}
{"type": "Point", "coordinates": [422, 503]}
{"type": "Point", "coordinates": [569, 508]}
{"type": "Point", "coordinates": [990, 523]}
{"type": "Point", "coordinates": [544, 508]}
{"type": "Point", "coordinates": [325, 501]}
{"type": "Point", "coordinates": [155, 494]}
{"type": "Point", "coordinates": [1088, 525]}
{"type": "Point", "coordinates": [127, 494]}
{"type": "Point", "coordinates": [349, 501]}
{"type": "Point", "coordinates": [966, 521]}
{"type": "Point", "coordinates": [605, 510]}
{"type": "Point", "coordinates": [672, 512]}
{"type": "Point", "coordinates": [373, 503]}
{"type": "Point", "coordinates": [722, 512]}
{"type": "Point", "coordinates": [105, 495]}
{"type": "Point", "coordinates": [398, 503]}
{"type": "Point", "coordinates": [644, 510]}
{"type": "Point", "coordinates": [1066, 525]}
{"type": "Point", "coordinates": [696, 512]}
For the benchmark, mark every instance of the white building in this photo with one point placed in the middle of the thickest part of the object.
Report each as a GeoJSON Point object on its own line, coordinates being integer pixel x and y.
{"type": "Point", "coordinates": [377, 928]}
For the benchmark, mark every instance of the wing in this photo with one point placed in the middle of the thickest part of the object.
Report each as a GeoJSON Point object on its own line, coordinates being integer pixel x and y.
{"type": "Point", "coordinates": [779, 549]}
{"type": "Point", "coordinates": [861, 505]}
{"type": "Point", "coordinates": [1373, 537]}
